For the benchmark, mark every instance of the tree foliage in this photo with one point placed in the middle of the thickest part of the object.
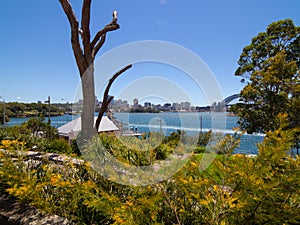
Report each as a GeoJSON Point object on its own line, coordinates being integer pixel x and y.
{"type": "Point", "coordinates": [17, 109]}
{"type": "Point", "coordinates": [280, 36]}
{"type": "Point", "coordinates": [271, 63]}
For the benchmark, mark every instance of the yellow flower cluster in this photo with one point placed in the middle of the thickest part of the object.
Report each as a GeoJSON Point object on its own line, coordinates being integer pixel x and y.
{"type": "Point", "coordinates": [13, 144]}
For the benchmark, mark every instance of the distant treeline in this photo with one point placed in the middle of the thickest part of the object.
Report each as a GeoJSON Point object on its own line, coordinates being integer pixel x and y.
{"type": "Point", "coordinates": [144, 110]}
{"type": "Point", "coordinates": [16, 109]}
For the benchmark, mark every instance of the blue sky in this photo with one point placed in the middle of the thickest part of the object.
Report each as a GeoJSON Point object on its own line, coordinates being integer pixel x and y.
{"type": "Point", "coordinates": [36, 59]}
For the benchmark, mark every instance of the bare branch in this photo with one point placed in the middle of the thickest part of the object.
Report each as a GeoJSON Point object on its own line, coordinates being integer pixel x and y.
{"type": "Point", "coordinates": [102, 110]}
{"type": "Point", "coordinates": [107, 28]}
{"type": "Point", "coordinates": [99, 45]}
{"type": "Point", "coordinates": [113, 25]}
{"type": "Point", "coordinates": [85, 26]}
{"type": "Point", "coordinates": [78, 53]}
{"type": "Point", "coordinates": [85, 15]}
{"type": "Point", "coordinates": [106, 98]}
{"type": "Point", "coordinates": [101, 34]}
{"type": "Point", "coordinates": [66, 5]}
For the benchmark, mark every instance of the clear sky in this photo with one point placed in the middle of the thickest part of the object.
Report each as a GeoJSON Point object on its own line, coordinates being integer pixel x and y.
{"type": "Point", "coordinates": [36, 59]}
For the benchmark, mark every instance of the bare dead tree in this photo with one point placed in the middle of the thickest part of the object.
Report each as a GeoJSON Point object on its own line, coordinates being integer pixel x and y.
{"type": "Point", "coordinates": [85, 52]}
{"type": "Point", "coordinates": [107, 98]}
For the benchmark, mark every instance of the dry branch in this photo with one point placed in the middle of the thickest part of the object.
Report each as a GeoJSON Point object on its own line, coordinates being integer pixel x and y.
{"type": "Point", "coordinates": [74, 25]}
{"type": "Point", "coordinates": [85, 54]}
{"type": "Point", "coordinates": [106, 98]}
{"type": "Point", "coordinates": [85, 27]}
{"type": "Point", "coordinates": [100, 37]}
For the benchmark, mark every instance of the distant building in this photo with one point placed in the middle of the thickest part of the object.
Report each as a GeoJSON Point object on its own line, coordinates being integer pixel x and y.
{"type": "Point", "coordinates": [120, 105]}
{"type": "Point", "coordinates": [158, 106]}
{"type": "Point", "coordinates": [176, 106]}
{"type": "Point", "coordinates": [186, 106]}
{"type": "Point", "coordinates": [167, 106]}
{"type": "Point", "coordinates": [147, 104]}
{"type": "Point", "coordinates": [218, 106]}
{"type": "Point", "coordinates": [135, 103]}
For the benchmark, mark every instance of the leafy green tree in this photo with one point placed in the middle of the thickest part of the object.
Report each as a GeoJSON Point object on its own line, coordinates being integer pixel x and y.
{"type": "Point", "coordinates": [271, 63]}
{"type": "Point", "coordinates": [279, 36]}
{"type": "Point", "coordinates": [271, 91]}
{"type": "Point", "coordinates": [36, 125]}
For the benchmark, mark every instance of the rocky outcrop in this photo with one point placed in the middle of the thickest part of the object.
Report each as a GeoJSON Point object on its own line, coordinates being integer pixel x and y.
{"type": "Point", "coordinates": [13, 212]}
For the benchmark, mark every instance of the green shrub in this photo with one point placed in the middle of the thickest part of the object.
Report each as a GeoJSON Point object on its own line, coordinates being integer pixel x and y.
{"type": "Point", "coordinates": [163, 151]}
{"type": "Point", "coordinates": [204, 138]}
{"type": "Point", "coordinates": [75, 148]}
{"type": "Point", "coordinates": [59, 146]}
{"type": "Point", "coordinates": [200, 149]}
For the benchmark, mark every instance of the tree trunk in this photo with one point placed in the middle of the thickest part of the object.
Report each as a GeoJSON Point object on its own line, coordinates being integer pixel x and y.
{"type": "Point", "coordinates": [89, 100]}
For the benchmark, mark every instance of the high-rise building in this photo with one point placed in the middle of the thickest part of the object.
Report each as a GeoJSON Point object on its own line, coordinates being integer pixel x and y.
{"type": "Point", "coordinates": [176, 106]}
{"type": "Point", "coordinates": [135, 103]}
{"type": "Point", "coordinates": [186, 106]}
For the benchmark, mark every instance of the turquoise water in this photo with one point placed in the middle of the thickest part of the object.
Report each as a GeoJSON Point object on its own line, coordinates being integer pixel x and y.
{"type": "Point", "coordinates": [192, 123]}
{"type": "Point", "coordinates": [55, 121]}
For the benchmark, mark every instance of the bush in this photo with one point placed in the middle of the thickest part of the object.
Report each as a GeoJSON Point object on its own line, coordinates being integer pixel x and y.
{"type": "Point", "coordinates": [204, 138]}
{"type": "Point", "coordinates": [75, 148]}
{"type": "Point", "coordinates": [59, 146]}
{"type": "Point", "coordinates": [200, 149]}
{"type": "Point", "coordinates": [163, 151]}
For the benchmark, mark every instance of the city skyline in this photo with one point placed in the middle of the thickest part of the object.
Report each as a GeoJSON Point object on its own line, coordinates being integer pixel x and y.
{"type": "Point", "coordinates": [136, 103]}
{"type": "Point", "coordinates": [124, 105]}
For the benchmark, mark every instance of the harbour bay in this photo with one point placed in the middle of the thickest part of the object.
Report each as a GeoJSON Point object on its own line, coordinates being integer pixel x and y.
{"type": "Point", "coordinates": [166, 122]}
